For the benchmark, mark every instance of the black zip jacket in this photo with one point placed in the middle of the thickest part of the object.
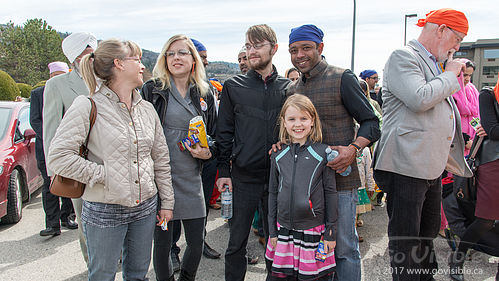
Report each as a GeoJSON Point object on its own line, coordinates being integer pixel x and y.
{"type": "Point", "coordinates": [302, 190]}
{"type": "Point", "coordinates": [248, 125]}
{"type": "Point", "coordinates": [153, 92]}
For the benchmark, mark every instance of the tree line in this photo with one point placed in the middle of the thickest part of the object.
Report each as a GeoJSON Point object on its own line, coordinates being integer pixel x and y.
{"type": "Point", "coordinates": [25, 52]}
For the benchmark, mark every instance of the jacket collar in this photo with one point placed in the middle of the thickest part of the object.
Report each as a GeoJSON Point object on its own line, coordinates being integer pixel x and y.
{"type": "Point", "coordinates": [298, 147]}
{"type": "Point", "coordinates": [427, 57]}
{"type": "Point", "coordinates": [112, 96]}
{"type": "Point", "coordinates": [76, 83]}
{"type": "Point", "coordinates": [269, 79]}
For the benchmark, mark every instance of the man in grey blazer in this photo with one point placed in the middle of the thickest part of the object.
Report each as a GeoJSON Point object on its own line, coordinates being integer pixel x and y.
{"type": "Point", "coordinates": [421, 136]}
{"type": "Point", "coordinates": [59, 93]}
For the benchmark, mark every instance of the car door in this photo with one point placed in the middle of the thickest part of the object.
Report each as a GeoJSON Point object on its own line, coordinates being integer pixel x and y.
{"type": "Point", "coordinates": [33, 176]}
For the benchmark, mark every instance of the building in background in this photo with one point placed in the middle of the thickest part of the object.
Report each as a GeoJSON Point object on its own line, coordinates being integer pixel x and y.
{"type": "Point", "coordinates": [485, 54]}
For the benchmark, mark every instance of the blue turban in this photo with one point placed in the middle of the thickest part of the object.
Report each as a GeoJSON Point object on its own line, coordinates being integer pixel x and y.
{"type": "Point", "coordinates": [307, 32]}
{"type": "Point", "coordinates": [199, 46]}
{"type": "Point", "coordinates": [367, 73]}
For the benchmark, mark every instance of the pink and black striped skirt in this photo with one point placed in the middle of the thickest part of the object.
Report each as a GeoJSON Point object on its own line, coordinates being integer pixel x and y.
{"type": "Point", "coordinates": [294, 255]}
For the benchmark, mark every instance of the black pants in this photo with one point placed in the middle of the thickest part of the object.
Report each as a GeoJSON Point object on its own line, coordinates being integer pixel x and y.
{"type": "Point", "coordinates": [54, 212]}
{"type": "Point", "coordinates": [208, 177]}
{"type": "Point", "coordinates": [474, 233]}
{"type": "Point", "coordinates": [246, 197]}
{"type": "Point", "coordinates": [413, 207]}
{"type": "Point", "coordinates": [194, 237]}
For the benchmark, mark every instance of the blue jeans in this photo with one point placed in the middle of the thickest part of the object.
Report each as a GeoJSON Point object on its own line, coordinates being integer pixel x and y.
{"type": "Point", "coordinates": [105, 245]}
{"type": "Point", "coordinates": [347, 252]}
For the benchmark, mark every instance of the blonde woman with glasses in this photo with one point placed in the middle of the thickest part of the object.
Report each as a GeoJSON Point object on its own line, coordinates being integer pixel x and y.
{"type": "Point", "coordinates": [179, 92]}
{"type": "Point", "coordinates": [127, 166]}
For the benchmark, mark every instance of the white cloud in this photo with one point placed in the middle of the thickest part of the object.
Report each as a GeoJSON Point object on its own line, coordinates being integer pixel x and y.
{"type": "Point", "coordinates": [221, 25]}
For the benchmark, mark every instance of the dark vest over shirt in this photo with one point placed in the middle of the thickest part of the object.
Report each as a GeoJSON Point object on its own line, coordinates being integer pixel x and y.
{"type": "Point", "coordinates": [323, 87]}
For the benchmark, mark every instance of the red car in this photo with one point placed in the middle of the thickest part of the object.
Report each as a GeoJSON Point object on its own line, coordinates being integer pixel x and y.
{"type": "Point", "coordinates": [19, 174]}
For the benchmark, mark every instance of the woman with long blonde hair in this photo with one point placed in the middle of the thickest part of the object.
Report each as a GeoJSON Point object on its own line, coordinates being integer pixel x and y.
{"type": "Point", "coordinates": [127, 166]}
{"type": "Point", "coordinates": [179, 92]}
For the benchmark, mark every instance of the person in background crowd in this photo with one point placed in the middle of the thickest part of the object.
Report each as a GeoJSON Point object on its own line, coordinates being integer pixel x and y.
{"type": "Point", "coordinates": [466, 100]}
{"type": "Point", "coordinates": [487, 209]}
{"type": "Point", "coordinates": [58, 96]}
{"type": "Point", "coordinates": [467, 103]}
{"type": "Point", "coordinates": [419, 116]}
{"type": "Point", "coordinates": [179, 92]}
{"type": "Point", "coordinates": [246, 130]}
{"type": "Point", "coordinates": [366, 189]}
{"type": "Point", "coordinates": [56, 212]}
{"type": "Point", "coordinates": [242, 59]}
{"type": "Point", "coordinates": [209, 173]}
{"type": "Point", "coordinates": [377, 109]}
{"type": "Point", "coordinates": [127, 166]}
{"type": "Point", "coordinates": [371, 77]}
{"type": "Point", "coordinates": [338, 98]}
{"type": "Point", "coordinates": [292, 74]}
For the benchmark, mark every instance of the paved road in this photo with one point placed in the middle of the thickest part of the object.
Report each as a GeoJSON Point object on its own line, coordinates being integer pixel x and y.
{"type": "Point", "coordinates": [24, 255]}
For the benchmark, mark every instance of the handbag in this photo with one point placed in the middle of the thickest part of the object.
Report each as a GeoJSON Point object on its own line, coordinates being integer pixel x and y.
{"type": "Point", "coordinates": [70, 188]}
{"type": "Point", "coordinates": [466, 187]}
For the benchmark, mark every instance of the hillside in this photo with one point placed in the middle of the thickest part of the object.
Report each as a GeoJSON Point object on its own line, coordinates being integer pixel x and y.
{"type": "Point", "coordinates": [220, 70]}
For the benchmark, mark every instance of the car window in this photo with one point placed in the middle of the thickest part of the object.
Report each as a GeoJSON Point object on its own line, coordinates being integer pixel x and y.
{"type": "Point", "coordinates": [24, 120]}
{"type": "Point", "coordinates": [4, 120]}
{"type": "Point", "coordinates": [18, 136]}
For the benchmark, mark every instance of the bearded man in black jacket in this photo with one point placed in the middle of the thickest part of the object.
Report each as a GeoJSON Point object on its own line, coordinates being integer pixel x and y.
{"type": "Point", "coordinates": [246, 129]}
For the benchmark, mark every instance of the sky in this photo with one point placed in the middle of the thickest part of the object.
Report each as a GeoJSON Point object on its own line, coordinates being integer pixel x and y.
{"type": "Point", "coordinates": [221, 25]}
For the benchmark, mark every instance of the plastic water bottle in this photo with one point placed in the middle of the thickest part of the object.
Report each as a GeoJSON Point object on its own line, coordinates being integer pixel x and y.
{"type": "Point", "coordinates": [226, 203]}
{"type": "Point", "coordinates": [331, 154]}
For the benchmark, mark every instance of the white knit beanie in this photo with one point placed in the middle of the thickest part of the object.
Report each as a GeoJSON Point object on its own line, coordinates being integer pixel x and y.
{"type": "Point", "coordinates": [76, 43]}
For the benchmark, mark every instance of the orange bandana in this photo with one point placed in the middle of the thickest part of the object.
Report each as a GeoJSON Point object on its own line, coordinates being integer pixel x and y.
{"type": "Point", "coordinates": [453, 19]}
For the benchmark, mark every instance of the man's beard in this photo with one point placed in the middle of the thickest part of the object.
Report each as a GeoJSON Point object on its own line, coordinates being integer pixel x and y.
{"type": "Point", "coordinates": [261, 65]}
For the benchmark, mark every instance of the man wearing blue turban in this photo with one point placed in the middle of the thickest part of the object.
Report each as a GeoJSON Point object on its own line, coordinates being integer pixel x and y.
{"type": "Point", "coordinates": [203, 53]}
{"type": "Point", "coordinates": [372, 78]}
{"type": "Point", "coordinates": [338, 98]}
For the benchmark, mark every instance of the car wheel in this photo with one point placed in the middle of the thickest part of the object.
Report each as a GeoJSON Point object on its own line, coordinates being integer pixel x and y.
{"type": "Point", "coordinates": [14, 198]}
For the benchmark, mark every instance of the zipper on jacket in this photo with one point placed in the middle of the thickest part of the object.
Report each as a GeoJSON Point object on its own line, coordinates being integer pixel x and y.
{"type": "Point", "coordinates": [292, 201]}
{"type": "Point", "coordinates": [265, 106]}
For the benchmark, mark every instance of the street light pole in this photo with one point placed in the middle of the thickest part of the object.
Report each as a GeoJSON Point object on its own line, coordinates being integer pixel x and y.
{"type": "Point", "coordinates": [353, 36]}
{"type": "Point", "coordinates": [405, 25]}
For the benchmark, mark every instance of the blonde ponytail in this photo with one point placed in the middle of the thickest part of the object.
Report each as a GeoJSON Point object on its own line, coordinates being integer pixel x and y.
{"type": "Point", "coordinates": [87, 72]}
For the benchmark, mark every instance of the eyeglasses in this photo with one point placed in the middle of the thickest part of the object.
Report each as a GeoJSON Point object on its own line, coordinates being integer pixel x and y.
{"type": "Point", "coordinates": [374, 78]}
{"type": "Point", "coordinates": [180, 53]}
{"type": "Point", "coordinates": [455, 33]}
{"type": "Point", "coordinates": [134, 58]}
{"type": "Point", "coordinates": [256, 46]}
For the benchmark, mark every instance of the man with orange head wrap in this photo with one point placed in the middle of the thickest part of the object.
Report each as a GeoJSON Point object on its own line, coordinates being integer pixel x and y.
{"type": "Point", "coordinates": [421, 136]}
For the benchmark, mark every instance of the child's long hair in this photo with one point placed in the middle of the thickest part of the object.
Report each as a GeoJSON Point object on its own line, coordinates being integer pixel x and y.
{"type": "Point", "coordinates": [301, 103]}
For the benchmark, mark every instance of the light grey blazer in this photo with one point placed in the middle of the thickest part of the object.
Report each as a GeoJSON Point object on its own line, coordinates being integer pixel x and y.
{"type": "Point", "coordinates": [59, 93]}
{"type": "Point", "coordinates": [421, 133]}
